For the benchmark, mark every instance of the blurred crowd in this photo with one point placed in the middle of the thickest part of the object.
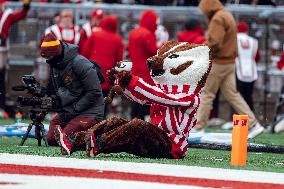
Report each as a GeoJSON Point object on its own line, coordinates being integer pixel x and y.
{"type": "Point", "coordinates": [99, 40]}
{"type": "Point", "coordinates": [233, 54]}
{"type": "Point", "coordinates": [168, 2]}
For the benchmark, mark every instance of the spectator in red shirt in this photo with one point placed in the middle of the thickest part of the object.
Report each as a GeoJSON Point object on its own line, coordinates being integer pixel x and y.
{"type": "Point", "coordinates": [7, 19]}
{"type": "Point", "coordinates": [142, 45]}
{"type": "Point", "coordinates": [90, 27]}
{"type": "Point", "coordinates": [11, 17]}
{"type": "Point", "coordinates": [105, 47]}
{"type": "Point", "coordinates": [193, 33]}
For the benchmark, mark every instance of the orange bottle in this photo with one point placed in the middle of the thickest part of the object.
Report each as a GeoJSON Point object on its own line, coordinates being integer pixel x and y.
{"type": "Point", "coordinates": [18, 117]}
{"type": "Point", "coordinates": [239, 140]}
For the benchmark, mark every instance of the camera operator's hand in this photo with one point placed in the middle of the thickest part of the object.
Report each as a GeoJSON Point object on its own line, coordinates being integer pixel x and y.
{"type": "Point", "coordinates": [42, 91]}
{"type": "Point", "coordinates": [56, 104]}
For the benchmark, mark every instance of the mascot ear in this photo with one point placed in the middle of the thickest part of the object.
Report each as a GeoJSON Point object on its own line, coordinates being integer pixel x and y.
{"type": "Point", "coordinates": [203, 79]}
{"type": "Point", "coordinates": [124, 65]}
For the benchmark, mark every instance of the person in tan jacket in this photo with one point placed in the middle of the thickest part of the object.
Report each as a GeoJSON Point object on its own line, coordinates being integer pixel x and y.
{"type": "Point", "coordinates": [222, 40]}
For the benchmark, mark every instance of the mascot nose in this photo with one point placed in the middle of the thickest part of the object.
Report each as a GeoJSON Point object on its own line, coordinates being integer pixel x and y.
{"type": "Point", "coordinates": [150, 62]}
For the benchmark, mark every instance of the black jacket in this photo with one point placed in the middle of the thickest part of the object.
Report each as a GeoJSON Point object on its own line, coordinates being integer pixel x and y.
{"type": "Point", "coordinates": [78, 86]}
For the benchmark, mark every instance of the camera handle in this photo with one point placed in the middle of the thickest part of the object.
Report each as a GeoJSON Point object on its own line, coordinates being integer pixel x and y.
{"type": "Point", "coordinates": [37, 117]}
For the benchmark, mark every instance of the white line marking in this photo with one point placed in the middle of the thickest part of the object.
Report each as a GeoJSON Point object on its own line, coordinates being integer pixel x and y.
{"type": "Point", "coordinates": [145, 168]}
{"type": "Point", "coordinates": [60, 182]}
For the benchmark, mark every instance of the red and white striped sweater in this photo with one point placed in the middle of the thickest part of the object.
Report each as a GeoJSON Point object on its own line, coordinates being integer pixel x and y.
{"type": "Point", "coordinates": [173, 109]}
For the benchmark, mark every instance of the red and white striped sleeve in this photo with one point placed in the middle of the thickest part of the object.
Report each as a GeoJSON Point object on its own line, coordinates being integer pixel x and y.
{"type": "Point", "coordinates": [132, 96]}
{"type": "Point", "coordinates": [143, 93]}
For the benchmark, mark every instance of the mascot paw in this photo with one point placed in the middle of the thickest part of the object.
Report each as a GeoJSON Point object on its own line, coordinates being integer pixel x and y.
{"type": "Point", "coordinates": [118, 89]}
{"type": "Point", "coordinates": [119, 71]}
{"type": "Point", "coordinates": [124, 78]}
{"type": "Point", "coordinates": [111, 74]}
{"type": "Point", "coordinates": [108, 100]}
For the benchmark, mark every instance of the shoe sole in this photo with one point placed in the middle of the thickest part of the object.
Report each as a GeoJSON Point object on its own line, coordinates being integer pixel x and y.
{"type": "Point", "coordinates": [92, 150]}
{"type": "Point", "coordinates": [60, 140]}
{"type": "Point", "coordinates": [257, 133]}
{"type": "Point", "coordinates": [90, 146]}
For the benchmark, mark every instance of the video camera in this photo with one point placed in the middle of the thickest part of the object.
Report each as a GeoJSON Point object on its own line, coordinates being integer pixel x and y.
{"type": "Point", "coordinates": [39, 98]}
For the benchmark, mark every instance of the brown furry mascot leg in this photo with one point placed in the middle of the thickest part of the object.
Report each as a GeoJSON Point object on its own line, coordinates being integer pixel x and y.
{"type": "Point", "coordinates": [107, 125]}
{"type": "Point", "coordinates": [136, 137]}
{"type": "Point", "coordinates": [78, 139]}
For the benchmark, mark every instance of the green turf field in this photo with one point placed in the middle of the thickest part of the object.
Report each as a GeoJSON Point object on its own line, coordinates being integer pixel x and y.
{"type": "Point", "coordinates": [195, 157]}
{"type": "Point", "coordinates": [11, 121]}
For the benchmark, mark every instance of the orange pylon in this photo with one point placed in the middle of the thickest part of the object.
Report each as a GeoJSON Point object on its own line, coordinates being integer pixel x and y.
{"type": "Point", "coordinates": [239, 140]}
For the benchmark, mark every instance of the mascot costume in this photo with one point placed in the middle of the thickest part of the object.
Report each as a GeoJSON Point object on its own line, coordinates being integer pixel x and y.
{"type": "Point", "coordinates": [179, 70]}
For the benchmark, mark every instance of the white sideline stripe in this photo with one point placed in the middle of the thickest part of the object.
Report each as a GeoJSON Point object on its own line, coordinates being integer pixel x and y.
{"type": "Point", "coordinates": [145, 168]}
{"type": "Point", "coordinates": [60, 182]}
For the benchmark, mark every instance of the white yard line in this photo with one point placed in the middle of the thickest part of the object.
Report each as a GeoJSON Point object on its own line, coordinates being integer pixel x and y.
{"type": "Point", "coordinates": [145, 168]}
{"type": "Point", "coordinates": [60, 182]}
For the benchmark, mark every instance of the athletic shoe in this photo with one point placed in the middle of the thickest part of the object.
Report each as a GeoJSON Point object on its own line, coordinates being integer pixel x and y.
{"type": "Point", "coordinates": [91, 146]}
{"type": "Point", "coordinates": [255, 131]}
{"type": "Point", "coordinates": [63, 142]}
{"type": "Point", "coordinates": [279, 127]}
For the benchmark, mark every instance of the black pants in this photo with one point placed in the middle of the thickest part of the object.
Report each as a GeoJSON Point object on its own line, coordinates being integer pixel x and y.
{"type": "Point", "coordinates": [139, 111]}
{"type": "Point", "coordinates": [2, 89]}
{"type": "Point", "coordinates": [215, 111]}
{"type": "Point", "coordinates": [246, 90]}
{"type": "Point", "coordinates": [106, 112]}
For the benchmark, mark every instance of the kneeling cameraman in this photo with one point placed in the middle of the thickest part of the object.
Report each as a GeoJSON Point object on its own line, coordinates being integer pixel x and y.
{"type": "Point", "coordinates": [76, 83]}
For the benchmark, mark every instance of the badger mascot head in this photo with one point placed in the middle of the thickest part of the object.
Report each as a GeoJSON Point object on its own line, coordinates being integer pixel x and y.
{"type": "Point", "coordinates": [177, 63]}
{"type": "Point", "coordinates": [180, 63]}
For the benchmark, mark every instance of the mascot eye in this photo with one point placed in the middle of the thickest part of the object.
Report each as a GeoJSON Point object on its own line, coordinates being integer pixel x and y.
{"type": "Point", "coordinates": [173, 56]}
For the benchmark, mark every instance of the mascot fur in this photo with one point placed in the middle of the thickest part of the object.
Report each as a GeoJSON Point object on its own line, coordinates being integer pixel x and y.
{"type": "Point", "coordinates": [179, 70]}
